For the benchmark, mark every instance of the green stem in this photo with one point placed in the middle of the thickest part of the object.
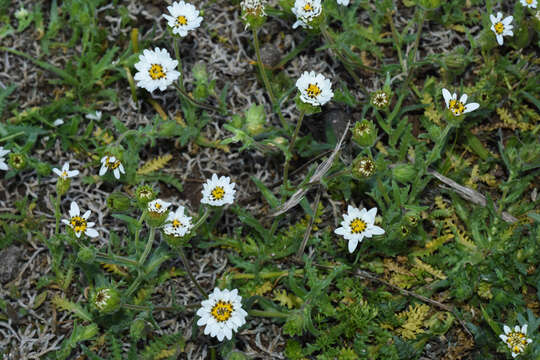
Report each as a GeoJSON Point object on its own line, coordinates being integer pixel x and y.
{"type": "Point", "coordinates": [396, 40]}
{"type": "Point", "coordinates": [138, 230]}
{"type": "Point", "coordinates": [148, 246]}
{"type": "Point", "coordinates": [416, 43]}
{"type": "Point", "coordinates": [57, 212]}
{"type": "Point", "coordinates": [263, 313]}
{"type": "Point", "coordinates": [195, 102]}
{"type": "Point", "coordinates": [266, 275]}
{"type": "Point", "coordinates": [201, 220]}
{"type": "Point", "coordinates": [265, 78]}
{"type": "Point", "coordinates": [179, 59]}
{"type": "Point", "coordinates": [288, 156]}
{"type": "Point", "coordinates": [115, 259]}
{"type": "Point", "coordinates": [310, 225]}
{"type": "Point", "coordinates": [190, 274]}
{"type": "Point", "coordinates": [160, 308]}
{"type": "Point", "coordinates": [12, 136]}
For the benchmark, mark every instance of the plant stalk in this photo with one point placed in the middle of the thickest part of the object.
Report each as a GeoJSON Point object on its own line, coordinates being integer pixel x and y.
{"type": "Point", "coordinates": [190, 274]}
{"type": "Point", "coordinates": [288, 156]}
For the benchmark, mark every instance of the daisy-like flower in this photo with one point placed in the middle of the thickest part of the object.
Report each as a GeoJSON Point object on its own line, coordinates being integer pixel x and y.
{"type": "Point", "coordinates": [529, 3]}
{"type": "Point", "coordinates": [113, 164]}
{"type": "Point", "coordinates": [184, 17]}
{"type": "Point", "coordinates": [458, 107]}
{"type": "Point", "coordinates": [358, 224]}
{"type": "Point", "coordinates": [95, 116]}
{"type": "Point", "coordinates": [156, 69]}
{"type": "Point", "coordinates": [177, 223]}
{"type": "Point", "coordinates": [343, 2]}
{"type": "Point", "coordinates": [158, 206]}
{"type": "Point", "coordinates": [516, 339]}
{"type": "Point", "coordinates": [306, 11]}
{"type": "Point", "coordinates": [3, 152]}
{"type": "Point", "coordinates": [218, 191]}
{"type": "Point", "coordinates": [314, 88]}
{"type": "Point", "coordinates": [501, 27]}
{"type": "Point", "coordinates": [253, 8]}
{"type": "Point", "coordinates": [365, 167]}
{"type": "Point", "coordinates": [222, 313]}
{"type": "Point", "coordinates": [79, 223]}
{"type": "Point", "coordinates": [65, 173]}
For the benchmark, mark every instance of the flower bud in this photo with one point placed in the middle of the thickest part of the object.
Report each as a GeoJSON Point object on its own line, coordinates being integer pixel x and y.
{"type": "Point", "coordinates": [380, 99]}
{"type": "Point", "coordinates": [107, 300]}
{"type": "Point", "coordinates": [62, 186]}
{"type": "Point", "coordinates": [363, 167]}
{"type": "Point", "coordinates": [118, 201]}
{"type": "Point", "coordinates": [255, 119]}
{"type": "Point", "coordinates": [86, 255]}
{"type": "Point", "coordinates": [404, 173]}
{"type": "Point", "coordinates": [17, 161]}
{"type": "Point", "coordinates": [364, 133]}
{"type": "Point", "coordinates": [308, 109]}
{"type": "Point", "coordinates": [253, 13]}
{"type": "Point", "coordinates": [145, 194]}
{"type": "Point", "coordinates": [412, 218]}
{"type": "Point", "coordinates": [157, 212]}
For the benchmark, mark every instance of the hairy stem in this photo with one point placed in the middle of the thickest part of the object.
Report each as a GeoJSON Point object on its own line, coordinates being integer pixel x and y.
{"type": "Point", "coordinates": [288, 155]}
{"type": "Point", "coordinates": [190, 274]}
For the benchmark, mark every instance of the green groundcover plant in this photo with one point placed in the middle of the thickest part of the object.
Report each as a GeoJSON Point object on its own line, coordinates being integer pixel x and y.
{"type": "Point", "coordinates": [376, 262]}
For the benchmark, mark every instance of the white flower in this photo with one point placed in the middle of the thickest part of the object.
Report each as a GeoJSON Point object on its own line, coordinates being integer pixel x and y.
{"type": "Point", "coordinates": [306, 11]}
{"type": "Point", "coordinates": [3, 152]}
{"type": "Point", "coordinates": [314, 88]}
{"type": "Point", "coordinates": [458, 107]}
{"type": "Point", "coordinates": [253, 8]}
{"type": "Point", "coordinates": [58, 122]}
{"type": "Point", "coordinates": [222, 313]}
{"type": "Point", "coordinates": [65, 172]}
{"type": "Point", "coordinates": [218, 191]}
{"type": "Point", "coordinates": [516, 339]}
{"type": "Point", "coordinates": [156, 69]}
{"type": "Point", "coordinates": [529, 3]}
{"type": "Point", "coordinates": [158, 206]}
{"type": "Point", "coordinates": [95, 116]}
{"type": "Point", "coordinates": [111, 163]}
{"type": "Point", "coordinates": [501, 27]}
{"type": "Point", "coordinates": [79, 223]}
{"type": "Point", "coordinates": [21, 13]}
{"type": "Point", "coordinates": [184, 17]}
{"type": "Point", "coordinates": [343, 2]}
{"type": "Point", "coordinates": [177, 224]}
{"type": "Point", "coordinates": [358, 224]}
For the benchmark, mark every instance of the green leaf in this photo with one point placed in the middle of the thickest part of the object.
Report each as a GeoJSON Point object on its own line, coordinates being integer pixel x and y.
{"type": "Point", "coordinates": [268, 195]}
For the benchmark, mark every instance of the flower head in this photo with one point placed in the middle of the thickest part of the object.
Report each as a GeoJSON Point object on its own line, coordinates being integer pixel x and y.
{"type": "Point", "coordinates": [222, 313]}
{"type": "Point", "coordinates": [314, 88]}
{"type": "Point", "coordinates": [364, 167]}
{"type": "Point", "coordinates": [158, 206]}
{"type": "Point", "coordinates": [343, 2]}
{"type": "Point", "coordinates": [516, 339]}
{"type": "Point", "coordinates": [65, 173]}
{"type": "Point", "coordinates": [184, 17]}
{"type": "Point", "coordinates": [107, 300]}
{"type": "Point", "coordinates": [529, 3]}
{"type": "Point", "coordinates": [94, 116]}
{"type": "Point", "coordinates": [177, 224]}
{"type": "Point", "coordinates": [458, 107]}
{"type": "Point", "coordinates": [501, 27]}
{"type": "Point", "coordinates": [3, 152]}
{"type": "Point", "coordinates": [79, 223]}
{"type": "Point", "coordinates": [253, 10]}
{"type": "Point", "coordinates": [218, 191]}
{"type": "Point", "coordinates": [380, 99]}
{"type": "Point", "coordinates": [358, 224]}
{"type": "Point", "coordinates": [306, 11]}
{"type": "Point", "coordinates": [156, 69]}
{"type": "Point", "coordinates": [113, 164]}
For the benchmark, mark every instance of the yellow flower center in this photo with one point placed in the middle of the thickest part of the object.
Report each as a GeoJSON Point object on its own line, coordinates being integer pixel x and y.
{"type": "Point", "coordinates": [158, 206]}
{"type": "Point", "coordinates": [218, 193]}
{"type": "Point", "coordinates": [222, 311]}
{"type": "Point", "coordinates": [181, 20]}
{"type": "Point", "coordinates": [308, 7]}
{"type": "Point", "coordinates": [175, 224]}
{"type": "Point", "coordinates": [517, 341]}
{"type": "Point", "coordinates": [357, 226]}
{"type": "Point", "coordinates": [112, 165]}
{"type": "Point", "coordinates": [313, 91]}
{"type": "Point", "coordinates": [529, 1]}
{"type": "Point", "coordinates": [457, 107]}
{"type": "Point", "coordinates": [499, 27]}
{"type": "Point", "coordinates": [64, 174]}
{"type": "Point", "coordinates": [78, 224]}
{"type": "Point", "coordinates": [156, 72]}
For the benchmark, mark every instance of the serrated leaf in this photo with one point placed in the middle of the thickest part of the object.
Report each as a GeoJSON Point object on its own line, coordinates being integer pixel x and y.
{"type": "Point", "coordinates": [154, 164]}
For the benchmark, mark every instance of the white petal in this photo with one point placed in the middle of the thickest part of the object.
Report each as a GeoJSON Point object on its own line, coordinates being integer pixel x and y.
{"type": "Point", "coordinates": [463, 98]}
{"type": "Point", "coordinates": [57, 172]}
{"type": "Point", "coordinates": [352, 245]}
{"type": "Point", "coordinates": [375, 230]}
{"type": "Point", "coordinates": [341, 231]}
{"type": "Point", "coordinates": [524, 329]}
{"type": "Point", "coordinates": [91, 233]}
{"type": "Point", "coordinates": [506, 329]}
{"type": "Point", "coordinates": [447, 96]}
{"type": "Point", "coordinates": [370, 215]}
{"type": "Point", "coordinates": [103, 170]}
{"type": "Point", "coordinates": [86, 215]}
{"type": "Point", "coordinates": [503, 337]}
{"type": "Point", "coordinates": [500, 39]}
{"type": "Point", "coordinates": [471, 107]}
{"type": "Point", "coordinates": [74, 209]}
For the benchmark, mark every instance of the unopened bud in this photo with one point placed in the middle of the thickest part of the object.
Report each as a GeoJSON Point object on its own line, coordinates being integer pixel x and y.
{"type": "Point", "coordinates": [364, 133]}
{"type": "Point", "coordinates": [118, 201]}
{"type": "Point", "coordinates": [107, 300]}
